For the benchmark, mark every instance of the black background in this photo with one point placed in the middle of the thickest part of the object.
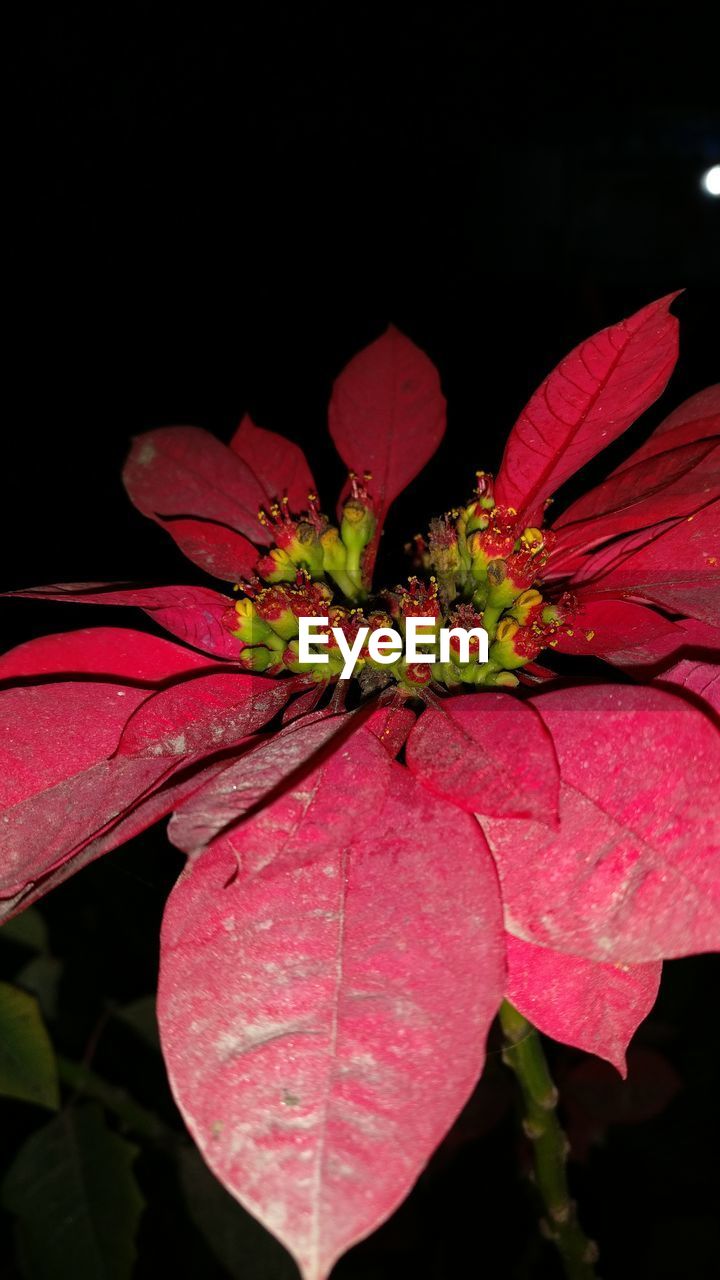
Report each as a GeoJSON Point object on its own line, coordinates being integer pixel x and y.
{"type": "Point", "coordinates": [211, 216]}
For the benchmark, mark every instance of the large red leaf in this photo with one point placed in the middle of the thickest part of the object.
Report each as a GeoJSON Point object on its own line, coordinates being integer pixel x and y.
{"type": "Point", "coordinates": [592, 396]}
{"type": "Point", "coordinates": [689, 640]}
{"type": "Point", "coordinates": [300, 811]}
{"type": "Point", "coordinates": [632, 874]}
{"type": "Point", "coordinates": [244, 783]}
{"type": "Point", "coordinates": [324, 1025]}
{"type": "Point", "coordinates": [667, 486]}
{"type": "Point", "coordinates": [194, 614]}
{"type": "Point", "coordinates": [391, 725]}
{"type": "Point", "coordinates": [387, 415]}
{"type": "Point", "coordinates": [679, 570]}
{"type": "Point", "coordinates": [696, 665]}
{"type": "Point", "coordinates": [141, 813]}
{"type": "Point", "coordinates": [594, 1007]}
{"type": "Point", "coordinates": [607, 627]}
{"type": "Point", "coordinates": [694, 420]}
{"type": "Point", "coordinates": [204, 715]}
{"type": "Point", "coordinates": [202, 493]}
{"type": "Point", "coordinates": [117, 652]}
{"type": "Point", "coordinates": [488, 753]}
{"type": "Point", "coordinates": [577, 569]}
{"type": "Point", "coordinates": [58, 784]}
{"type": "Point", "coordinates": [279, 464]}
{"type": "Point", "coordinates": [78, 754]}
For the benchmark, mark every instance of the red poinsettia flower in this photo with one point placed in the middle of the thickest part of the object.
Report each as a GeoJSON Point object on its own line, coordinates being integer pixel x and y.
{"type": "Point", "coordinates": [348, 925]}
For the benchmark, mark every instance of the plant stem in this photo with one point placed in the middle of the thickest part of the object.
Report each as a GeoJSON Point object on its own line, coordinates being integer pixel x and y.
{"type": "Point", "coordinates": [523, 1053]}
{"type": "Point", "coordinates": [84, 1080]}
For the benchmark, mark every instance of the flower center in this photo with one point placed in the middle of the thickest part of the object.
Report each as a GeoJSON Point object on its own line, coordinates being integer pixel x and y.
{"type": "Point", "coordinates": [483, 568]}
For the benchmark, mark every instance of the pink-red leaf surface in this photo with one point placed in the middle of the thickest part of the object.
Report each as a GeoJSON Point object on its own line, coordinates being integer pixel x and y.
{"type": "Point", "coordinates": [670, 485]}
{"type": "Point", "coordinates": [679, 570]}
{"type": "Point", "coordinates": [387, 414]}
{"type": "Point", "coordinates": [488, 755]}
{"type": "Point", "coordinates": [279, 464]}
{"type": "Point", "coordinates": [117, 652]}
{"type": "Point", "coordinates": [694, 420]}
{"type": "Point", "coordinates": [205, 714]}
{"type": "Point", "coordinates": [193, 614]}
{"type": "Point", "coordinates": [58, 784]}
{"type": "Point", "coordinates": [256, 775]}
{"type": "Point", "coordinates": [323, 1026]}
{"type": "Point", "coordinates": [592, 396]}
{"type": "Point", "coordinates": [201, 492]}
{"type": "Point", "coordinates": [593, 1007]}
{"type": "Point", "coordinates": [631, 874]}
{"type": "Point", "coordinates": [607, 626]}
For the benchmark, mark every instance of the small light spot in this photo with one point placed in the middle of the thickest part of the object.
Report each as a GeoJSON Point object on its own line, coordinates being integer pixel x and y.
{"type": "Point", "coordinates": [710, 181]}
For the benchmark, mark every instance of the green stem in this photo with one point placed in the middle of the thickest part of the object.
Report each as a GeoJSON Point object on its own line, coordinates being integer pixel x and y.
{"type": "Point", "coordinates": [85, 1081]}
{"type": "Point", "coordinates": [523, 1053]}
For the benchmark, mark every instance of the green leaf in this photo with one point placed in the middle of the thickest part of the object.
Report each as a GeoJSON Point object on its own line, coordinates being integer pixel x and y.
{"type": "Point", "coordinates": [73, 1192]}
{"type": "Point", "coordinates": [238, 1242]}
{"type": "Point", "coordinates": [28, 930]}
{"type": "Point", "coordinates": [41, 977]}
{"type": "Point", "coordinates": [140, 1016]}
{"type": "Point", "coordinates": [27, 1062]}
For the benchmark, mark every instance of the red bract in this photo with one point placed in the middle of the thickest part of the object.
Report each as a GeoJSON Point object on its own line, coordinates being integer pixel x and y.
{"type": "Point", "coordinates": [348, 925]}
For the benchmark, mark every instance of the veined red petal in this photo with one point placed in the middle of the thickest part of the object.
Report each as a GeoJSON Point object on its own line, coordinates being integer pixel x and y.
{"type": "Point", "coordinates": [204, 715]}
{"type": "Point", "coordinates": [194, 614]}
{"type": "Point", "coordinates": [323, 1026]}
{"type": "Point", "coordinates": [667, 486]}
{"type": "Point", "coordinates": [279, 464]}
{"type": "Point", "coordinates": [490, 754]}
{"type": "Point", "coordinates": [592, 396]}
{"type": "Point", "coordinates": [679, 570]}
{"type": "Point", "coordinates": [201, 492]}
{"type": "Point", "coordinates": [261, 772]}
{"type": "Point", "coordinates": [139, 814]}
{"type": "Point", "coordinates": [593, 1007]}
{"type": "Point", "coordinates": [58, 784]}
{"type": "Point", "coordinates": [697, 418]}
{"type": "Point", "coordinates": [220, 551]}
{"type": "Point", "coordinates": [387, 416]}
{"type": "Point", "coordinates": [391, 726]}
{"type": "Point", "coordinates": [632, 874]}
{"type": "Point", "coordinates": [117, 652]}
{"type": "Point", "coordinates": [606, 627]}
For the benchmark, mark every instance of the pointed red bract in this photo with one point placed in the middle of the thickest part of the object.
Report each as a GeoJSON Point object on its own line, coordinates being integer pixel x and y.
{"type": "Point", "coordinates": [244, 783]}
{"type": "Point", "coordinates": [489, 754]}
{"type": "Point", "coordinates": [203, 715]}
{"type": "Point", "coordinates": [670, 485]}
{"type": "Point", "coordinates": [594, 1007]}
{"type": "Point", "coordinates": [631, 874]}
{"type": "Point", "coordinates": [202, 493]}
{"type": "Point", "coordinates": [696, 668]}
{"type": "Point", "coordinates": [299, 783]}
{"type": "Point", "coordinates": [694, 420]}
{"type": "Point", "coordinates": [279, 464]}
{"type": "Point", "coordinates": [118, 652]}
{"type": "Point", "coordinates": [679, 570]}
{"type": "Point", "coordinates": [607, 627]}
{"type": "Point", "coordinates": [387, 416]}
{"type": "Point", "coordinates": [220, 551]}
{"type": "Point", "coordinates": [592, 396]}
{"type": "Point", "coordinates": [58, 784]}
{"type": "Point", "coordinates": [324, 1025]}
{"type": "Point", "coordinates": [174, 786]}
{"type": "Point", "coordinates": [193, 614]}
{"type": "Point", "coordinates": [391, 726]}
